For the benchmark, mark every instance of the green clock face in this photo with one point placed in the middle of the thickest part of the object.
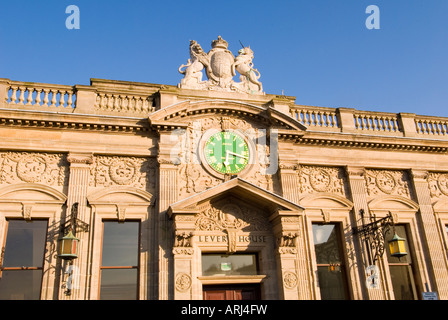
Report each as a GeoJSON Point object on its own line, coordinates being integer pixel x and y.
{"type": "Point", "coordinates": [227, 152]}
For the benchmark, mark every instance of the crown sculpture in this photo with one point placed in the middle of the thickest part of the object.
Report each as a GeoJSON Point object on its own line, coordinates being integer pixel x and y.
{"type": "Point", "coordinates": [220, 66]}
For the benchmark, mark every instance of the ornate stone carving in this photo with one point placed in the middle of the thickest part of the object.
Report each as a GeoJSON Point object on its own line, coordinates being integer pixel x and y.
{"type": "Point", "coordinates": [288, 239]}
{"type": "Point", "coordinates": [128, 171]}
{"type": "Point", "coordinates": [231, 216]}
{"type": "Point", "coordinates": [290, 280]}
{"type": "Point", "coordinates": [183, 239]}
{"type": "Point", "coordinates": [183, 282]}
{"type": "Point", "coordinates": [387, 182]}
{"type": "Point", "coordinates": [220, 67]}
{"type": "Point", "coordinates": [438, 184]}
{"type": "Point", "coordinates": [45, 168]}
{"type": "Point", "coordinates": [194, 180]}
{"type": "Point", "coordinates": [321, 179]}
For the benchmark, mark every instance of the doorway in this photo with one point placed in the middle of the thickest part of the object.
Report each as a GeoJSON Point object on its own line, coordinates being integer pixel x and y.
{"type": "Point", "coordinates": [232, 292]}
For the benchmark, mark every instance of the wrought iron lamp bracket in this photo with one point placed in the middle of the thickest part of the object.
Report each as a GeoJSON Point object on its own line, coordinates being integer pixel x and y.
{"type": "Point", "coordinates": [374, 235]}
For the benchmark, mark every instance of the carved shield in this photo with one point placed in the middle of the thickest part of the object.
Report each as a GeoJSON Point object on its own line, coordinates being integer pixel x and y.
{"type": "Point", "coordinates": [221, 64]}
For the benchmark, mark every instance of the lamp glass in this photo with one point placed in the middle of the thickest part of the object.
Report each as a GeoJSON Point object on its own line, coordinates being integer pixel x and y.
{"type": "Point", "coordinates": [397, 246]}
{"type": "Point", "coordinates": [69, 247]}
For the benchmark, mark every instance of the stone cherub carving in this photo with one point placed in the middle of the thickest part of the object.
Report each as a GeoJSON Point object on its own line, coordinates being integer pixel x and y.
{"type": "Point", "coordinates": [220, 67]}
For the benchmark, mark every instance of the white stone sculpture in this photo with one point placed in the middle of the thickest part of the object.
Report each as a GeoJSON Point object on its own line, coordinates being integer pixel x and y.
{"type": "Point", "coordinates": [220, 68]}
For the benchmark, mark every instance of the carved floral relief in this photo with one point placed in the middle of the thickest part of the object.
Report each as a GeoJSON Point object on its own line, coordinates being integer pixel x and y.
{"type": "Point", "coordinates": [321, 179]}
{"type": "Point", "coordinates": [393, 182]}
{"type": "Point", "coordinates": [45, 168]}
{"type": "Point", "coordinates": [438, 184]}
{"type": "Point", "coordinates": [231, 216]}
{"type": "Point", "coordinates": [123, 171]}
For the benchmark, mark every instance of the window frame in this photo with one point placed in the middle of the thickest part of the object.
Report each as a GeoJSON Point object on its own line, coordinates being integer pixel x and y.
{"type": "Point", "coordinates": [410, 266]}
{"type": "Point", "coordinates": [137, 267]}
{"type": "Point", "coordinates": [22, 268]}
{"type": "Point", "coordinates": [342, 257]}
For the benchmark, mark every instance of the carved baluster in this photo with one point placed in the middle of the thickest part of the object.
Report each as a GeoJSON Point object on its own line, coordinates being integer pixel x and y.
{"type": "Point", "coordinates": [38, 99]}
{"type": "Point", "coordinates": [22, 95]}
{"type": "Point", "coordinates": [70, 100]}
{"type": "Point", "coordinates": [14, 95]}
{"type": "Point", "coordinates": [46, 100]}
{"type": "Point", "coordinates": [109, 102]}
{"type": "Point", "coordinates": [29, 100]}
{"type": "Point", "coordinates": [53, 98]}
{"type": "Point", "coordinates": [116, 103]}
{"type": "Point", "coordinates": [62, 99]}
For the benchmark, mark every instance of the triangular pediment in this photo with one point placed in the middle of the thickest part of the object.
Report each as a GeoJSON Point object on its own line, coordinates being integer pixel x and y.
{"type": "Point", "coordinates": [179, 115]}
{"type": "Point", "coordinates": [238, 188]}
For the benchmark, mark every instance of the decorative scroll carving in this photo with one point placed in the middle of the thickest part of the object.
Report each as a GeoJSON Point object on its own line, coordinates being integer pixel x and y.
{"type": "Point", "coordinates": [321, 179]}
{"type": "Point", "coordinates": [26, 211]}
{"type": "Point", "coordinates": [387, 182]}
{"type": "Point", "coordinates": [194, 180]}
{"type": "Point", "coordinates": [129, 171]}
{"type": "Point", "coordinates": [231, 216]}
{"type": "Point", "coordinates": [183, 282]}
{"type": "Point", "coordinates": [45, 168]}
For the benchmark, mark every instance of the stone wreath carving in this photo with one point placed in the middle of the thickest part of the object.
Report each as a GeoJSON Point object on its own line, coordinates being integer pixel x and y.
{"type": "Point", "coordinates": [290, 280]}
{"type": "Point", "coordinates": [231, 216]}
{"type": "Point", "coordinates": [387, 182]}
{"type": "Point", "coordinates": [123, 171]}
{"type": "Point", "coordinates": [321, 179]}
{"type": "Point", "coordinates": [49, 169]}
{"type": "Point", "coordinates": [183, 282]}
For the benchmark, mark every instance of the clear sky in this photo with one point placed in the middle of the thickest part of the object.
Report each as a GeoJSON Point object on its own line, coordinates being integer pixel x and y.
{"type": "Point", "coordinates": [319, 51]}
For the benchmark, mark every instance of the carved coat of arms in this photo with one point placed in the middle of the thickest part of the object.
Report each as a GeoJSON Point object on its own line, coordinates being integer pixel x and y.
{"type": "Point", "coordinates": [220, 67]}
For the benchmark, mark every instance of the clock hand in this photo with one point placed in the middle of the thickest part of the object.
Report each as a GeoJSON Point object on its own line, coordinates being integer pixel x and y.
{"type": "Point", "coordinates": [226, 162]}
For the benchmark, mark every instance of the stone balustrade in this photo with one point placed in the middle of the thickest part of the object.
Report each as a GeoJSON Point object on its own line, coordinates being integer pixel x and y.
{"type": "Point", "coordinates": [371, 123]}
{"type": "Point", "coordinates": [38, 96]}
{"type": "Point", "coordinates": [130, 99]}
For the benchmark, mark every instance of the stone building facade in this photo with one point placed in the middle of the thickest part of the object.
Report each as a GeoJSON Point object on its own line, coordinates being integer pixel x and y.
{"type": "Point", "coordinates": [122, 152]}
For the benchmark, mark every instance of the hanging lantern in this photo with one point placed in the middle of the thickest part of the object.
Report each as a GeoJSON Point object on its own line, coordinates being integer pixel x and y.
{"type": "Point", "coordinates": [69, 247]}
{"type": "Point", "coordinates": [397, 246]}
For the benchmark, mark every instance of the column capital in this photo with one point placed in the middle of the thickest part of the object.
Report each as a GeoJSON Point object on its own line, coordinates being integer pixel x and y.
{"type": "Point", "coordinates": [80, 158]}
{"type": "Point", "coordinates": [355, 172]}
{"type": "Point", "coordinates": [419, 174]}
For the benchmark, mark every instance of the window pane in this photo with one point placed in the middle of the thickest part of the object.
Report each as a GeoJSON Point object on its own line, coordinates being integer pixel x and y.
{"type": "Point", "coordinates": [401, 281]}
{"type": "Point", "coordinates": [25, 243]}
{"type": "Point", "coordinates": [118, 284]}
{"type": "Point", "coordinates": [235, 264]}
{"type": "Point", "coordinates": [120, 244]}
{"type": "Point", "coordinates": [326, 244]}
{"type": "Point", "coordinates": [20, 285]}
{"type": "Point", "coordinates": [332, 284]}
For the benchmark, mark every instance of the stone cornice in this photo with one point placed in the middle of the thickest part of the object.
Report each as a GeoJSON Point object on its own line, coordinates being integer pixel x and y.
{"type": "Point", "coordinates": [42, 120]}
{"type": "Point", "coordinates": [357, 141]}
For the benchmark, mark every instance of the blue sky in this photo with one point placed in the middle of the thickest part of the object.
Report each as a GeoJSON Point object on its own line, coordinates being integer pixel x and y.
{"type": "Point", "coordinates": [319, 51]}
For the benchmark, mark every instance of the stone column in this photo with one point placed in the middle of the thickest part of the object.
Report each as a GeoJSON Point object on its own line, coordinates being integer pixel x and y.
{"type": "Point", "coordinates": [289, 180]}
{"type": "Point", "coordinates": [77, 193]}
{"type": "Point", "coordinates": [287, 230]}
{"type": "Point", "coordinates": [358, 191]}
{"type": "Point", "coordinates": [168, 194]}
{"type": "Point", "coordinates": [183, 256]}
{"type": "Point", "coordinates": [432, 242]}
